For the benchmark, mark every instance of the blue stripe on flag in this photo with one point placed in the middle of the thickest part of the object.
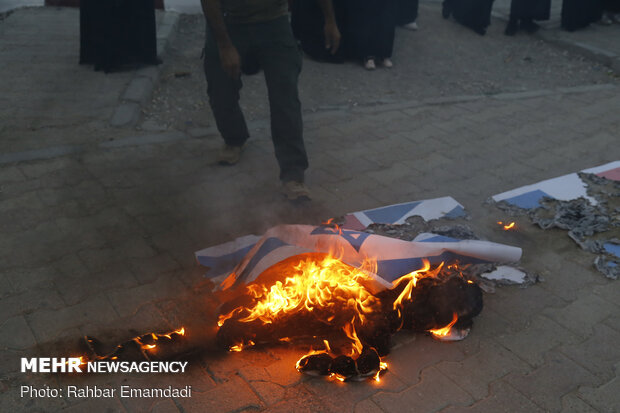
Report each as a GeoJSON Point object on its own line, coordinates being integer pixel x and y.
{"type": "Point", "coordinates": [224, 263]}
{"type": "Point", "coordinates": [439, 238]}
{"type": "Point", "coordinates": [390, 214]}
{"type": "Point", "coordinates": [458, 211]}
{"type": "Point", "coordinates": [268, 246]}
{"type": "Point", "coordinates": [391, 270]}
{"type": "Point", "coordinates": [528, 200]}
{"type": "Point", "coordinates": [612, 248]}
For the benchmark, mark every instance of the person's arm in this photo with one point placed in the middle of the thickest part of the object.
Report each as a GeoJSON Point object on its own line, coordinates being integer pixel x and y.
{"type": "Point", "coordinates": [229, 57]}
{"type": "Point", "coordinates": [330, 30]}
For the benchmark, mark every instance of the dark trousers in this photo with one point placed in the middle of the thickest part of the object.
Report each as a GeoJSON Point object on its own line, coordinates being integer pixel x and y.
{"type": "Point", "coordinates": [272, 45]}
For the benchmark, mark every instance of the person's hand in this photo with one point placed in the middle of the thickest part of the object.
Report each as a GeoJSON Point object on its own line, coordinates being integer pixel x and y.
{"type": "Point", "coordinates": [231, 62]}
{"type": "Point", "coordinates": [332, 37]}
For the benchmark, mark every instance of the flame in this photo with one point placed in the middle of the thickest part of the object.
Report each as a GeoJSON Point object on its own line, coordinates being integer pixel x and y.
{"type": "Point", "coordinates": [241, 346]}
{"type": "Point", "coordinates": [382, 367]}
{"type": "Point", "coordinates": [338, 377]}
{"type": "Point", "coordinates": [357, 346]}
{"type": "Point", "coordinates": [507, 227]}
{"type": "Point", "coordinates": [412, 279]}
{"type": "Point", "coordinates": [327, 285]}
{"type": "Point", "coordinates": [444, 331]}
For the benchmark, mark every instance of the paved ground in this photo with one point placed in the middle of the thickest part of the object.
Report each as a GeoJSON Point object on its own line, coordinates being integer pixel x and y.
{"type": "Point", "coordinates": [100, 224]}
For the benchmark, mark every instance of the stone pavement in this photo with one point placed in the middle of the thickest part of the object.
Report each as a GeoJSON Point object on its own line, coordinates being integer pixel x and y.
{"type": "Point", "coordinates": [596, 41]}
{"type": "Point", "coordinates": [99, 240]}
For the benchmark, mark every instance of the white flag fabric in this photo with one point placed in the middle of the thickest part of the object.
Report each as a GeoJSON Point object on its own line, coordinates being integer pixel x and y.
{"type": "Point", "coordinates": [244, 259]}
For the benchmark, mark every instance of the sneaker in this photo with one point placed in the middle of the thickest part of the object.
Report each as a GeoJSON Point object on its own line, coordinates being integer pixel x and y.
{"type": "Point", "coordinates": [411, 26]}
{"type": "Point", "coordinates": [229, 155]}
{"type": "Point", "coordinates": [296, 191]}
{"type": "Point", "coordinates": [369, 64]}
{"type": "Point", "coordinates": [387, 62]}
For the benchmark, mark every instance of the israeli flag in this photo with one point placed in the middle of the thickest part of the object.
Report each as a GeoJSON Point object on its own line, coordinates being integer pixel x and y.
{"type": "Point", "coordinates": [243, 260]}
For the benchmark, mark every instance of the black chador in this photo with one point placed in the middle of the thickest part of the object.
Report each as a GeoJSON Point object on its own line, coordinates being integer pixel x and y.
{"type": "Point", "coordinates": [580, 13]}
{"type": "Point", "coordinates": [407, 11]}
{"type": "Point", "coordinates": [116, 33]}
{"type": "Point", "coordinates": [475, 14]}
{"type": "Point", "coordinates": [370, 28]}
{"type": "Point", "coordinates": [307, 22]}
{"type": "Point", "coordinates": [524, 12]}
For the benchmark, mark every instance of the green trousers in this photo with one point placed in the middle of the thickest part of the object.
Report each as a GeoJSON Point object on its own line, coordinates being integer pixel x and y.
{"type": "Point", "coordinates": [273, 46]}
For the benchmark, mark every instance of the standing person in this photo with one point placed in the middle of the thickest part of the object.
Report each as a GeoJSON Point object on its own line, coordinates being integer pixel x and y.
{"type": "Point", "coordinates": [475, 14]}
{"type": "Point", "coordinates": [577, 14]}
{"type": "Point", "coordinates": [307, 22]}
{"type": "Point", "coordinates": [611, 12]}
{"type": "Point", "coordinates": [371, 26]}
{"type": "Point", "coordinates": [524, 12]}
{"type": "Point", "coordinates": [407, 14]}
{"type": "Point", "coordinates": [259, 30]}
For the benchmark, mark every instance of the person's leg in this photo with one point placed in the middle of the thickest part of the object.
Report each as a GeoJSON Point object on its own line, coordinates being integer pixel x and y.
{"type": "Point", "coordinates": [386, 19]}
{"type": "Point", "coordinates": [223, 92]}
{"type": "Point", "coordinates": [446, 8]}
{"type": "Point", "coordinates": [513, 20]}
{"type": "Point", "coordinates": [281, 61]}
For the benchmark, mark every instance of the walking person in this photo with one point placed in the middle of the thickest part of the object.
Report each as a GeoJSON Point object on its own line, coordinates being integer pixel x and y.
{"type": "Point", "coordinates": [240, 31]}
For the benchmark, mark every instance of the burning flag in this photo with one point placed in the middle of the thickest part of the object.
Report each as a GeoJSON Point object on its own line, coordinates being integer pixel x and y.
{"type": "Point", "coordinates": [351, 289]}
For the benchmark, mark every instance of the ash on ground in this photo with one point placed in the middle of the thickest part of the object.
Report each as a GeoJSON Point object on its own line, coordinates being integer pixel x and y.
{"type": "Point", "coordinates": [594, 227]}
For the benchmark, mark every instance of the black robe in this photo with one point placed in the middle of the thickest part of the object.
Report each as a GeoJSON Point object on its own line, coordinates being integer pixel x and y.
{"type": "Point", "coordinates": [530, 9]}
{"type": "Point", "coordinates": [115, 33]}
{"type": "Point", "coordinates": [612, 6]}
{"type": "Point", "coordinates": [370, 28]}
{"type": "Point", "coordinates": [580, 13]}
{"type": "Point", "coordinates": [307, 22]}
{"type": "Point", "coordinates": [475, 14]}
{"type": "Point", "coordinates": [407, 11]}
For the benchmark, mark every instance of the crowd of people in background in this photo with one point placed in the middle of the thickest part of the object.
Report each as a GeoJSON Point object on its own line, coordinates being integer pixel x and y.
{"type": "Point", "coordinates": [368, 26]}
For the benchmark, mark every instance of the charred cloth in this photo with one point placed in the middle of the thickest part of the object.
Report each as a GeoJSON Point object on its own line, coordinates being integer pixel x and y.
{"type": "Point", "coordinates": [355, 325]}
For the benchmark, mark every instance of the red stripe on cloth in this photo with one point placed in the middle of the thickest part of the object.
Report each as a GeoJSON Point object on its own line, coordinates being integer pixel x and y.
{"type": "Point", "coordinates": [613, 174]}
{"type": "Point", "coordinates": [350, 222]}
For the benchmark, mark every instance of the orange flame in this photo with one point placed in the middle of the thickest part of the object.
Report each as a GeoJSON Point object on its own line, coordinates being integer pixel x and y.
{"type": "Point", "coordinates": [326, 285]}
{"type": "Point", "coordinates": [507, 227]}
{"type": "Point", "coordinates": [241, 346]}
{"type": "Point", "coordinates": [357, 347]}
{"type": "Point", "coordinates": [444, 331]}
{"type": "Point", "coordinates": [382, 367]}
{"type": "Point", "coordinates": [412, 279]}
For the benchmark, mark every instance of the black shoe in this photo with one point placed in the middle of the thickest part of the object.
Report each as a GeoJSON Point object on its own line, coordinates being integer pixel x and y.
{"type": "Point", "coordinates": [529, 26]}
{"type": "Point", "coordinates": [445, 10]}
{"type": "Point", "coordinates": [511, 28]}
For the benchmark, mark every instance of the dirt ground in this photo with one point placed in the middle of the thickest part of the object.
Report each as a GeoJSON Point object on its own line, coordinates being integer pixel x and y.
{"type": "Point", "coordinates": [424, 68]}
